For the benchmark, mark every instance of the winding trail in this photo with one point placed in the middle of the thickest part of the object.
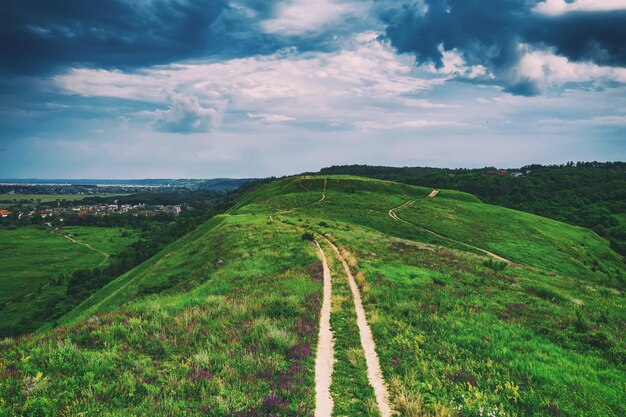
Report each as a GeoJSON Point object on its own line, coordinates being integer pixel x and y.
{"type": "Point", "coordinates": [324, 359]}
{"type": "Point", "coordinates": [433, 193]}
{"type": "Point", "coordinates": [323, 193]}
{"type": "Point", "coordinates": [87, 245]}
{"type": "Point", "coordinates": [392, 212]}
{"type": "Point", "coordinates": [374, 372]}
{"type": "Point", "coordinates": [393, 215]}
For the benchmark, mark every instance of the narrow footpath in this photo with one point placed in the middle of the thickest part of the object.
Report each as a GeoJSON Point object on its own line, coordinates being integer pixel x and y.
{"type": "Point", "coordinates": [87, 245]}
{"type": "Point", "coordinates": [325, 348]}
{"type": "Point", "coordinates": [393, 214]}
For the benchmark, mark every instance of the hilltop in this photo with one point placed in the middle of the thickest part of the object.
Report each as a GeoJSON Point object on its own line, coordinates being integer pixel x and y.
{"type": "Point", "coordinates": [441, 305]}
{"type": "Point", "coordinates": [588, 194]}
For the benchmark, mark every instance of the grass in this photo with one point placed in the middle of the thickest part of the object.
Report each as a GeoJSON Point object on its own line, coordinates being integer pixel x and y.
{"type": "Point", "coordinates": [224, 321]}
{"type": "Point", "coordinates": [458, 333]}
{"type": "Point", "coordinates": [454, 335]}
{"type": "Point", "coordinates": [240, 343]}
{"type": "Point", "coordinates": [195, 254]}
{"type": "Point", "coordinates": [350, 389]}
{"type": "Point", "coordinates": [520, 237]}
{"type": "Point", "coordinates": [34, 264]}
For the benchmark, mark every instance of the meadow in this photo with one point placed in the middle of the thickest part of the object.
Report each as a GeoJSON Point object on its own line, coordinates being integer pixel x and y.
{"type": "Point", "coordinates": [224, 321]}
{"type": "Point", "coordinates": [35, 264]}
{"type": "Point", "coordinates": [233, 336]}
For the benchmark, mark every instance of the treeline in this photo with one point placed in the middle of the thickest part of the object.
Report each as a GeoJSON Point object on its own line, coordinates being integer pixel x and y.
{"type": "Point", "coordinates": [192, 198]}
{"type": "Point", "coordinates": [589, 194]}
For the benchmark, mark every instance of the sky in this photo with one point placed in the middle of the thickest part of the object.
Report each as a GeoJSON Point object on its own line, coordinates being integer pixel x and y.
{"type": "Point", "coordinates": [254, 88]}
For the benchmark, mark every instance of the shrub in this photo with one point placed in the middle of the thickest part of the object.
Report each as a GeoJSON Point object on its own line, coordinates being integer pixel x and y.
{"type": "Point", "coordinates": [495, 265]}
{"type": "Point", "coordinates": [546, 293]}
{"type": "Point", "coordinates": [308, 236]}
{"type": "Point", "coordinates": [439, 282]}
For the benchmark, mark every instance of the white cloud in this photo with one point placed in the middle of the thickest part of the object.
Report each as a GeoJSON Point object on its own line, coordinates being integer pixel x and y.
{"type": "Point", "coordinates": [419, 124]}
{"type": "Point", "coordinates": [365, 79]}
{"type": "Point", "coordinates": [425, 104]}
{"type": "Point", "coordinates": [409, 124]}
{"type": "Point", "coordinates": [543, 67]}
{"type": "Point", "coordinates": [558, 7]}
{"type": "Point", "coordinates": [455, 66]}
{"type": "Point", "coordinates": [269, 117]}
{"type": "Point", "coordinates": [549, 69]}
{"type": "Point", "coordinates": [297, 17]}
{"type": "Point", "coordinates": [600, 121]}
{"type": "Point", "coordinates": [186, 115]}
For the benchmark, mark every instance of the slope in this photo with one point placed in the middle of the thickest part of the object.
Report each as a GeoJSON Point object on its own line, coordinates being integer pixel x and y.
{"type": "Point", "coordinates": [225, 320]}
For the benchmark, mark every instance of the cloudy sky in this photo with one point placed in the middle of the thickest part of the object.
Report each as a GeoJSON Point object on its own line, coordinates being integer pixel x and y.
{"type": "Point", "coordinates": [214, 88]}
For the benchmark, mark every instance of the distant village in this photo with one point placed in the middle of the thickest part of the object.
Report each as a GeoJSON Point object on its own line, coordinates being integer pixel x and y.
{"type": "Point", "coordinates": [496, 172]}
{"type": "Point", "coordinates": [503, 172]}
{"type": "Point", "coordinates": [99, 209]}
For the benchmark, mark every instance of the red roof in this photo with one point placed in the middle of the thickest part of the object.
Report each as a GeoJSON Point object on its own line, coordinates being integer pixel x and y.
{"type": "Point", "coordinates": [4, 212]}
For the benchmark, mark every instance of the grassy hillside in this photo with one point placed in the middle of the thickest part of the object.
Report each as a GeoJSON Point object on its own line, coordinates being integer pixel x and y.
{"type": "Point", "coordinates": [225, 320]}
{"type": "Point", "coordinates": [35, 263]}
{"type": "Point", "coordinates": [588, 194]}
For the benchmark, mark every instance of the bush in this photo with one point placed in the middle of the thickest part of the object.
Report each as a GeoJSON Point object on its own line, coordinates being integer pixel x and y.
{"type": "Point", "coordinates": [546, 293]}
{"type": "Point", "coordinates": [308, 236]}
{"type": "Point", "coordinates": [495, 265]}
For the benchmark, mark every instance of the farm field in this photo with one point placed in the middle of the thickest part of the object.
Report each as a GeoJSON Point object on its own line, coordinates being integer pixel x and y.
{"type": "Point", "coordinates": [35, 261]}
{"type": "Point", "coordinates": [472, 310]}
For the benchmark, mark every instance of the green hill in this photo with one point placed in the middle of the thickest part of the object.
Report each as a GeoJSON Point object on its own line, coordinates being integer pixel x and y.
{"type": "Point", "coordinates": [474, 309]}
{"type": "Point", "coordinates": [588, 194]}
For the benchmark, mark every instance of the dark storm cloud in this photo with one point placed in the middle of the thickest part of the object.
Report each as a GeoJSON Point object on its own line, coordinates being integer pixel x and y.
{"type": "Point", "coordinates": [483, 30]}
{"type": "Point", "coordinates": [583, 36]}
{"type": "Point", "coordinates": [488, 32]}
{"type": "Point", "coordinates": [37, 36]}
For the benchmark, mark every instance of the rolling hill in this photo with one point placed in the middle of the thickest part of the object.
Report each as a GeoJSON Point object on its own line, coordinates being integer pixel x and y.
{"type": "Point", "coordinates": [361, 296]}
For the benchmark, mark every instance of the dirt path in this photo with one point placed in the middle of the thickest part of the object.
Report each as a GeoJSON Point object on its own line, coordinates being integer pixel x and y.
{"type": "Point", "coordinates": [87, 245]}
{"type": "Point", "coordinates": [392, 212]}
{"type": "Point", "coordinates": [433, 193]}
{"type": "Point", "coordinates": [325, 349]}
{"type": "Point", "coordinates": [393, 215]}
{"type": "Point", "coordinates": [323, 193]}
{"type": "Point", "coordinates": [322, 198]}
{"type": "Point", "coordinates": [374, 372]}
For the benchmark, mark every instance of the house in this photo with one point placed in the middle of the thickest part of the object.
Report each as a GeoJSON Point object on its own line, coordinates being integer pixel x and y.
{"type": "Point", "coordinates": [4, 213]}
{"type": "Point", "coordinates": [517, 174]}
{"type": "Point", "coordinates": [45, 213]}
{"type": "Point", "coordinates": [495, 172]}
